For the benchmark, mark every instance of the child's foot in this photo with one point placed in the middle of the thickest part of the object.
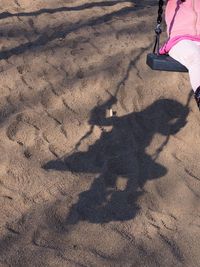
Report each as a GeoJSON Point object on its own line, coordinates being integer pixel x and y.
{"type": "Point", "coordinates": [197, 97]}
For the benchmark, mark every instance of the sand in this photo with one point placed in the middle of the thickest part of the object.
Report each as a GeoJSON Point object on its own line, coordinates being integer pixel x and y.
{"type": "Point", "coordinates": [99, 162]}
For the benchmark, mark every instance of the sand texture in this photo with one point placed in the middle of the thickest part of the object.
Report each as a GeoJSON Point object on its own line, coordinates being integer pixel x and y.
{"type": "Point", "coordinates": [99, 162]}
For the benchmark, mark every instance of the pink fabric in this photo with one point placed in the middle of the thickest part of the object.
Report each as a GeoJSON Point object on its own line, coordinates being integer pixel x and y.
{"type": "Point", "coordinates": [183, 22]}
{"type": "Point", "coordinates": [171, 42]}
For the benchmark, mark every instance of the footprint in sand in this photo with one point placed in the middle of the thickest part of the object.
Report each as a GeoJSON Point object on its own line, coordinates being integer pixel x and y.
{"type": "Point", "coordinates": [24, 132]}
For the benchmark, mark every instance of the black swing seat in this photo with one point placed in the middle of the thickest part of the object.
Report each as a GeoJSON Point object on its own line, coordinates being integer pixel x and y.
{"type": "Point", "coordinates": [164, 63]}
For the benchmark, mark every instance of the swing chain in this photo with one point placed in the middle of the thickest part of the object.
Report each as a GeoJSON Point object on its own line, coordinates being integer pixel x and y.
{"type": "Point", "coordinates": [160, 11]}
{"type": "Point", "coordinates": [158, 29]}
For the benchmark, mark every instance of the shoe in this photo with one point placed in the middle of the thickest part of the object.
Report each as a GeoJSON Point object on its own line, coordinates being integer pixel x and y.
{"type": "Point", "coordinates": [197, 97]}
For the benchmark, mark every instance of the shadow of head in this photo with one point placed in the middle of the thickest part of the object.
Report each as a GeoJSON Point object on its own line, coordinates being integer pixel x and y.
{"type": "Point", "coordinates": [165, 116]}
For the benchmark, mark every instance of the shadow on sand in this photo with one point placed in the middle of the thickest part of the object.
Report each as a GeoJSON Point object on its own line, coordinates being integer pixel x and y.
{"type": "Point", "coordinates": [61, 31]}
{"type": "Point", "coordinates": [84, 6]}
{"type": "Point", "coordinates": [119, 158]}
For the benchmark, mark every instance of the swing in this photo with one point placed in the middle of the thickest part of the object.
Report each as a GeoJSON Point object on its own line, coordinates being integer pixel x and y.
{"type": "Point", "coordinates": [162, 62]}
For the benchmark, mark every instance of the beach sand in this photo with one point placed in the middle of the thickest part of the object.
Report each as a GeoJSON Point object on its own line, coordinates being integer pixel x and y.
{"type": "Point", "coordinates": [99, 162]}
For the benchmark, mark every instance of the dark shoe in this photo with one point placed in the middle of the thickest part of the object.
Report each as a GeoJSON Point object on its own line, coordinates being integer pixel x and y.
{"type": "Point", "coordinates": [197, 97]}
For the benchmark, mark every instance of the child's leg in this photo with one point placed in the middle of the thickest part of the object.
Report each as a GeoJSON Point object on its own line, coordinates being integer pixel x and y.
{"type": "Point", "coordinates": [188, 53]}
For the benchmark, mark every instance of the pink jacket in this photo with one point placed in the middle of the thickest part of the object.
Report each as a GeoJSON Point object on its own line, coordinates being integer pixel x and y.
{"type": "Point", "coordinates": [183, 22]}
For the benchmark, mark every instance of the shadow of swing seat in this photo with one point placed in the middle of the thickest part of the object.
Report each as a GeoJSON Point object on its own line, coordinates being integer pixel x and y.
{"type": "Point", "coordinates": [164, 63]}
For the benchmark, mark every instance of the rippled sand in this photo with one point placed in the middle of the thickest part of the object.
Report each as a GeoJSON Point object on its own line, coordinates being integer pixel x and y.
{"type": "Point", "coordinates": [78, 186]}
